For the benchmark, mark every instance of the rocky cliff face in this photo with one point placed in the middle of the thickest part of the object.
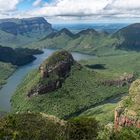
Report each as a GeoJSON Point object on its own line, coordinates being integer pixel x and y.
{"type": "Point", "coordinates": [125, 79]}
{"type": "Point", "coordinates": [25, 26]}
{"type": "Point", "coordinates": [20, 32]}
{"type": "Point", "coordinates": [128, 111]}
{"type": "Point", "coordinates": [53, 73]}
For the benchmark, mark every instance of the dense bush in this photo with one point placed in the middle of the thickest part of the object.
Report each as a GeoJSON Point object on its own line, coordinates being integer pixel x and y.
{"type": "Point", "coordinates": [31, 127]}
{"type": "Point", "coordinates": [126, 133]}
{"type": "Point", "coordinates": [82, 129]}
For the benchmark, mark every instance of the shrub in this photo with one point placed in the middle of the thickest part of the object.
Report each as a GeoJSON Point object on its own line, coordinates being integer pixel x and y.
{"type": "Point", "coordinates": [82, 129]}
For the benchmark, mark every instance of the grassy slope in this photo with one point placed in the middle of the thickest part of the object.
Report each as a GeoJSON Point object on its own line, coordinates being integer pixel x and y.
{"type": "Point", "coordinates": [103, 113]}
{"type": "Point", "coordinates": [7, 39]}
{"type": "Point", "coordinates": [5, 71]}
{"type": "Point", "coordinates": [80, 91]}
{"type": "Point", "coordinates": [115, 66]}
{"type": "Point", "coordinates": [89, 43]}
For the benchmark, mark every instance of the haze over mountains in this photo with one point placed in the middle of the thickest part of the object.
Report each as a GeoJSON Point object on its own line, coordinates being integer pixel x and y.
{"type": "Point", "coordinates": [22, 32]}
{"type": "Point", "coordinates": [18, 32]}
{"type": "Point", "coordinates": [91, 41]}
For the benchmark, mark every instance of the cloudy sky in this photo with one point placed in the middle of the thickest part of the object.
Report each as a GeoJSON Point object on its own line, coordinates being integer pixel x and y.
{"type": "Point", "coordinates": [67, 11]}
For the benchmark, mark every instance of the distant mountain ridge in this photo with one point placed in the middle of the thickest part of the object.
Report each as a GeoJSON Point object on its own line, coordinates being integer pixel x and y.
{"type": "Point", "coordinates": [20, 32]}
{"type": "Point", "coordinates": [87, 41]}
{"type": "Point", "coordinates": [129, 37]}
{"type": "Point", "coordinates": [91, 41]}
{"type": "Point", "coordinates": [25, 26]}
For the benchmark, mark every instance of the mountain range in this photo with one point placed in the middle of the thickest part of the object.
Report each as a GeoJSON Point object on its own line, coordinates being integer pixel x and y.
{"type": "Point", "coordinates": [93, 42]}
{"type": "Point", "coordinates": [38, 33]}
{"type": "Point", "coordinates": [19, 32]}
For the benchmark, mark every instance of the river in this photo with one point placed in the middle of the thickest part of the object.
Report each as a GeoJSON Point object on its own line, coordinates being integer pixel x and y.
{"type": "Point", "coordinates": [9, 88]}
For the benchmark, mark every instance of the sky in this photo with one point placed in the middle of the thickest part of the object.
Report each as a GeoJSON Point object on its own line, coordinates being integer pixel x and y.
{"type": "Point", "coordinates": [73, 11]}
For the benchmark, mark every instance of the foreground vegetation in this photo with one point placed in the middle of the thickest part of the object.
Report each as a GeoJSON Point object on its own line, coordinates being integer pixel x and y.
{"type": "Point", "coordinates": [43, 127]}
{"type": "Point", "coordinates": [40, 126]}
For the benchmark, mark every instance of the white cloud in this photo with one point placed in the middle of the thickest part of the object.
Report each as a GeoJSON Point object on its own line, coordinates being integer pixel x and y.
{"type": "Point", "coordinates": [37, 2]}
{"type": "Point", "coordinates": [75, 9]}
{"type": "Point", "coordinates": [6, 5]}
{"type": "Point", "coordinates": [72, 7]}
{"type": "Point", "coordinates": [93, 9]}
{"type": "Point", "coordinates": [125, 4]}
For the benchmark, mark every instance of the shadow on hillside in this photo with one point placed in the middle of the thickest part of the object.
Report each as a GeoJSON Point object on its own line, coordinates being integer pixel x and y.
{"type": "Point", "coordinates": [96, 66]}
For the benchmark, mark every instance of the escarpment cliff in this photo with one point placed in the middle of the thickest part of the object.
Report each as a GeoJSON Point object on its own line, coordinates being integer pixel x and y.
{"type": "Point", "coordinates": [25, 26]}
{"type": "Point", "coordinates": [19, 32]}
{"type": "Point", "coordinates": [128, 112]}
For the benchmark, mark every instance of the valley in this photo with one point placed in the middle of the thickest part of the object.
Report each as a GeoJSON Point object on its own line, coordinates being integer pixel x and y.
{"type": "Point", "coordinates": [12, 83]}
{"type": "Point", "coordinates": [68, 77]}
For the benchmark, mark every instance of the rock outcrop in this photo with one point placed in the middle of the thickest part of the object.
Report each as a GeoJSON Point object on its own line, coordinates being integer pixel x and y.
{"type": "Point", "coordinates": [21, 32]}
{"type": "Point", "coordinates": [53, 73]}
{"type": "Point", "coordinates": [125, 79]}
{"type": "Point", "coordinates": [25, 26]}
{"type": "Point", "coordinates": [128, 112]}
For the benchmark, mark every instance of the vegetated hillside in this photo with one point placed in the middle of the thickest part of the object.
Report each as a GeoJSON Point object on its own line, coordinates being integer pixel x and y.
{"type": "Point", "coordinates": [32, 126]}
{"type": "Point", "coordinates": [17, 56]}
{"type": "Point", "coordinates": [93, 42]}
{"type": "Point", "coordinates": [87, 41]}
{"type": "Point", "coordinates": [6, 70]}
{"type": "Point", "coordinates": [40, 126]}
{"type": "Point", "coordinates": [63, 88]}
{"type": "Point", "coordinates": [129, 37]}
{"type": "Point", "coordinates": [18, 32]}
{"type": "Point", "coordinates": [127, 112]}
{"type": "Point", "coordinates": [111, 67]}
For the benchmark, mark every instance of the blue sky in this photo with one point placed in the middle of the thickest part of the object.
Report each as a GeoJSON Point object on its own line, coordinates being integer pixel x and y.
{"type": "Point", "coordinates": [28, 4]}
{"type": "Point", "coordinates": [68, 11]}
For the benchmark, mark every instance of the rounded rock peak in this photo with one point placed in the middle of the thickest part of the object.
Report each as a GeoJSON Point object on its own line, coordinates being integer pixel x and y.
{"type": "Point", "coordinates": [58, 57]}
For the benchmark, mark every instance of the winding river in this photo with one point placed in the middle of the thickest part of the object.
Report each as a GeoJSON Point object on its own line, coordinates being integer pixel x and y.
{"type": "Point", "coordinates": [13, 81]}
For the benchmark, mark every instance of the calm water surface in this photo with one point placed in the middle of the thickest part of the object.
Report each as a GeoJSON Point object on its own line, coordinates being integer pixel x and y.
{"type": "Point", "coordinates": [12, 83]}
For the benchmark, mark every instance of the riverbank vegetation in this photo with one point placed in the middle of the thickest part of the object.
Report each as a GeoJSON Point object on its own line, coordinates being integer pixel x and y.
{"type": "Point", "coordinates": [6, 70]}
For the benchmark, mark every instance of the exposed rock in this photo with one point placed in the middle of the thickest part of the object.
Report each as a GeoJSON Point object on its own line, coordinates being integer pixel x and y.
{"type": "Point", "coordinates": [25, 26]}
{"type": "Point", "coordinates": [53, 73]}
{"type": "Point", "coordinates": [125, 120]}
{"type": "Point", "coordinates": [128, 112]}
{"type": "Point", "coordinates": [125, 79]}
{"type": "Point", "coordinates": [21, 32]}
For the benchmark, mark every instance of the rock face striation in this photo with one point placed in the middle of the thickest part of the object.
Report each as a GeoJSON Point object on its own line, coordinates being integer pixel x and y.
{"type": "Point", "coordinates": [25, 26]}
{"type": "Point", "coordinates": [125, 79]}
{"type": "Point", "coordinates": [20, 32]}
{"type": "Point", "coordinates": [128, 112]}
{"type": "Point", "coordinates": [53, 73]}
